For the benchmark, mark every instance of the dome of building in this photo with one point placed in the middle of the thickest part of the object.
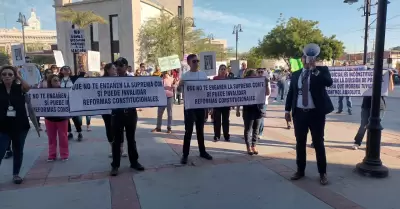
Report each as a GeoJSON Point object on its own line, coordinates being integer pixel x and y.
{"type": "Point", "coordinates": [33, 22]}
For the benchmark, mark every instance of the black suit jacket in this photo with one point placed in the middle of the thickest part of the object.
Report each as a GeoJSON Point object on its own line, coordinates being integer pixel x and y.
{"type": "Point", "coordinates": [318, 84]}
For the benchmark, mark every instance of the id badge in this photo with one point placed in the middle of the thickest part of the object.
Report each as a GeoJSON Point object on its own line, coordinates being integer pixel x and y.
{"type": "Point", "coordinates": [11, 113]}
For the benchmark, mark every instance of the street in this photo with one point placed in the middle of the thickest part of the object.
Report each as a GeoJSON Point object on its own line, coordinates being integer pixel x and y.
{"type": "Point", "coordinates": [232, 180]}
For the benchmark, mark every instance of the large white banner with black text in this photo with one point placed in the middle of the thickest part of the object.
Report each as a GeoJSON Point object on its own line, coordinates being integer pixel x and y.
{"type": "Point", "coordinates": [224, 93]}
{"type": "Point", "coordinates": [103, 93]}
{"type": "Point", "coordinates": [53, 102]}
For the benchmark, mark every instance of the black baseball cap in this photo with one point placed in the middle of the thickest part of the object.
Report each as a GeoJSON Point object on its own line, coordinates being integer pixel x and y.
{"type": "Point", "coordinates": [120, 62]}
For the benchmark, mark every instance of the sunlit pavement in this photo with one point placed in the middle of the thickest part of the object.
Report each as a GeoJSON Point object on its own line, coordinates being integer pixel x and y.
{"type": "Point", "coordinates": [232, 180]}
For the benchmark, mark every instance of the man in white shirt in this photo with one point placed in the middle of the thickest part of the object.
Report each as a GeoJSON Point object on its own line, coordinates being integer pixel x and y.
{"type": "Point", "coordinates": [309, 103]}
{"type": "Point", "coordinates": [194, 116]}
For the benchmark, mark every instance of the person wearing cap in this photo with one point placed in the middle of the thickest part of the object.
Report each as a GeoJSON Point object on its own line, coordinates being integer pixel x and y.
{"type": "Point", "coordinates": [124, 118]}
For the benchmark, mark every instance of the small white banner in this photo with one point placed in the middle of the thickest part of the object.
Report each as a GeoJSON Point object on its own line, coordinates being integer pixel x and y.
{"type": "Point", "coordinates": [224, 93]}
{"type": "Point", "coordinates": [93, 61]}
{"type": "Point", "coordinates": [58, 56]}
{"type": "Point", "coordinates": [53, 102]}
{"type": "Point", "coordinates": [77, 41]}
{"type": "Point", "coordinates": [104, 93]}
{"type": "Point", "coordinates": [208, 63]}
{"type": "Point", "coordinates": [348, 68]}
{"type": "Point", "coordinates": [17, 53]}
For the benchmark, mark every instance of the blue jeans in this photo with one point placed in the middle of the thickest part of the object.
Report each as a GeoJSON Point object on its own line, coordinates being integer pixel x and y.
{"type": "Point", "coordinates": [88, 118]}
{"type": "Point", "coordinates": [348, 102]}
{"type": "Point", "coordinates": [18, 143]}
{"type": "Point", "coordinates": [261, 130]}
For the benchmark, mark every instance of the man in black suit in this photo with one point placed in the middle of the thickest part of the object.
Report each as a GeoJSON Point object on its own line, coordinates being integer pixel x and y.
{"type": "Point", "coordinates": [309, 103]}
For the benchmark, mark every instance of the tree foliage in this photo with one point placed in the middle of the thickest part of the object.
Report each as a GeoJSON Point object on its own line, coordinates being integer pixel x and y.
{"type": "Point", "coordinates": [161, 36]}
{"type": "Point", "coordinates": [4, 58]}
{"type": "Point", "coordinates": [397, 48]}
{"type": "Point", "coordinates": [82, 19]}
{"type": "Point", "coordinates": [254, 58]}
{"type": "Point", "coordinates": [288, 39]}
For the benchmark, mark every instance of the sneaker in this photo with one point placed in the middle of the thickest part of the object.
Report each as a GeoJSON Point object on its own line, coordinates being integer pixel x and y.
{"type": "Point", "coordinates": [216, 139]}
{"type": "Point", "coordinates": [80, 137]}
{"type": "Point", "coordinates": [8, 154]}
{"type": "Point", "coordinates": [338, 112]}
{"type": "Point", "coordinates": [350, 113]}
{"type": "Point", "coordinates": [124, 154]}
{"type": "Point", "coordinates": [64, 159]}
{"type": "Point", "coordinates": [206, 156]}
{"type": "Point", "coordinates": [169, 131]}
{"type": "Point", "coordinates": [88, 128]}
{"type": "Point", "coordinates": [114, 172]}
{"type": "Point", "coordinates": [137, 166]}
{"type": "Point", "coordinates": [156, 130]}
{"type": "Point", "coordinates": [355, 146]}
{"type": "Point", "coordinates": [70, 136]}
{"type": "Point", "coordinates": [50, 159]}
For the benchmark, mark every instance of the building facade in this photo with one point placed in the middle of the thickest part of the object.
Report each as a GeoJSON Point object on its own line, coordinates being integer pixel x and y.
{"type": "Point", "coordinates": [33, 36]}
{"type": "Point", "coordinates": [118, 37]}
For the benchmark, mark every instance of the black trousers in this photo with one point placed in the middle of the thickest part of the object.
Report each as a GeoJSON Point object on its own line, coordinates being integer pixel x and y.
{"type": "Point", "coordinates": [191, 117]}
{"type": "Point", "coordinates": [251, 129]}
{"type": "Point", "coordinates": [221, 117]}
{"type": "Point", "coordinates": [107, 124]}
{"type": "Point", "coordinates": [77, 120]}
{"type": "Point", "coordinates": [119, 121]}
{"type": "Point", "coordinates": [315, 122]}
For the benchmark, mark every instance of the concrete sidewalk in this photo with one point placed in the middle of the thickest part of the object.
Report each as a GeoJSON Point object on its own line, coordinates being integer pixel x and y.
{"type": "Point", "coordinates": [232, 180]}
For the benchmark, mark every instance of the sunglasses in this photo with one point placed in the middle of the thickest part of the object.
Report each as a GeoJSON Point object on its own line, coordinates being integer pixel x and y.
{"type": "Point", "coordinates": [7, 74]}
{"type": "Point", "coordinates": [195, 61]}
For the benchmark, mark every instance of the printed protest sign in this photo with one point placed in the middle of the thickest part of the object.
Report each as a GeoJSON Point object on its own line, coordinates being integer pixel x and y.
{"type": "Point", "coordinates": [274, 90]}
{"type": "Point", "coordinates": [224, 93]}
{"type": "Point", "coordinates": [208, 63]}
{"type": "Point", "coordinates": [77, 41]}
{"type": "Point", "coordinates": [169, 63]}
{"type": "Point", "coordinates": [53, 102]}
{"type": "Point", "coordinates": [348, 68]}
{"type": "Point", "coordinates": [17, 52]}
{"type": "Point", "coordinates": [93, 61]}
{"type": "Point", "coordinates": [117, 92]}
{"type": "Point", "coordinates": [355, 83]}
{"type": "Point", "coordinates": [58, 56]}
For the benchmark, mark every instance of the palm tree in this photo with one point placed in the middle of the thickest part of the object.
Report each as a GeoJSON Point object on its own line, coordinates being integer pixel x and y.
{"type": "Point", "coordinates": [81, 20]}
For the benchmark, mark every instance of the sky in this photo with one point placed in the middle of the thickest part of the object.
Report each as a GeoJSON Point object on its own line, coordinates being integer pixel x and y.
{"type": "Point", "coordinates": [257, 18]}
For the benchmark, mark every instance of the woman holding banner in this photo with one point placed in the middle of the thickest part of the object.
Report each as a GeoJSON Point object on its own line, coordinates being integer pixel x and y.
{"type": "Point", "coordinates": [67, 81]}
{"type": "Point", "coordinates": [14, 122]}
{"type": "Point", "coordinates": [221, 112]}
{"type": "Point", "coordinates": [56, 126]}
{"type": "Point", "coordinates": [252, 116]}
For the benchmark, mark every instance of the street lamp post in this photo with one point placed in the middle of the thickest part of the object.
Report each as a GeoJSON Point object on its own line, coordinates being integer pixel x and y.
{"type": "Point", "coordinates": [182, 19]}
{"type": "Point", "coordinates": [210, 38]}
{"type": "Point", "coordinates": [236, 30]}
{"type": "Point", "coordinates": [22, 20]}
{"type": "Point", "coordinates": [372, 164]}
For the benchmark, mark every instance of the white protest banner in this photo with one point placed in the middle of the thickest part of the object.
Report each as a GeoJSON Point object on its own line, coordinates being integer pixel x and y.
{"type": "Point", "coordinates": [208, 63]}
{"type": "Point", "coordinates": [169, 63]}
{"type": "Point", "coordinates": [117, 92]}
{"type": "Point", "coordinates": [93, 61]}
{"type": "Point", "coordinates": [224, 93]}
{"type": "Point", "coordinates": [77, 41]}
{"type": "Point", "coordinates": [235, 67]}
{"type": "Point", "coordinates": [348, 68]}
{"type": "Point", "coordinates": [356, 83]}
{"type": "Point", "coordinates": [53, 102]}
{"type": "Point", "coordinates": [58, 56]}
{"type": "Point", "coordinates": [17, 53]}
{"type": "Point", "coordinates": [274, 90]}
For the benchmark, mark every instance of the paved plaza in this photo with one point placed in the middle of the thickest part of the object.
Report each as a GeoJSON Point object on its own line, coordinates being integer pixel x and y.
{"type": "Point", "coordinates": [232, 180]}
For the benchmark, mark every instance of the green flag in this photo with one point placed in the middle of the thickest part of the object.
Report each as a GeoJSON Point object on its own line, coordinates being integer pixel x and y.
{"type": "Point", "coordinates": [295, 64]}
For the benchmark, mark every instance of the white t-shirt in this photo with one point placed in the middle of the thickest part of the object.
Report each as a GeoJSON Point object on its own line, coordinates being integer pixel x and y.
{"type": "Point", "coordinates": [190, 76]}
{"type": "Point", "coordinates": [66, 82]}
{"type": "Point", "coordinates": [267, 97]}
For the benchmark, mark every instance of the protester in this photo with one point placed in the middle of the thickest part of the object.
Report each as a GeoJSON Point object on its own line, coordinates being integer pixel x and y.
{"type": "Point", "coordinates": [252, 116]}
{"type": "Point", "coordinates": [124, 118]}
{"type": "Point", "coordinates": [221, 112]}
{"type": "Point", "coordinates": [168, 83]}
{"type": "Point", "coordinates": [143, 70]}
{"type": "Point", "coordinates": [194, 116]}
{"type": "Point", "coordinates": [262, 72]}
{"type": "Point", "coordinates": [67, 81]}
{"type": "Point", "coordinates": [56, 126]}
{"type": "Point", "coordinates": [230, 74]}
{"type": "Point", "coordinates": [102, 65]}
{"type": "Point", "coordinates": [130, 71]}
{"type": "Point", "coordinates": [14, 122]}
{"type": "Point", "coordinates": [242, 71]}
{"type": "Point", "coordinates": [177, 92]}
{"type": "Point", "coordinates": [55, 69]}
{"type": "Point", "coordinates": [281, 83]}
{"type": "Point", "coordinates": [157, 72]}
{"type": "Point", "coordinates": [309, 107]}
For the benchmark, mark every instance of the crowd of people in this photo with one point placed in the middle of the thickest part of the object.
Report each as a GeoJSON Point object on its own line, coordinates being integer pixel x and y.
{"type": "Point", "coordinates": [307, 107]}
